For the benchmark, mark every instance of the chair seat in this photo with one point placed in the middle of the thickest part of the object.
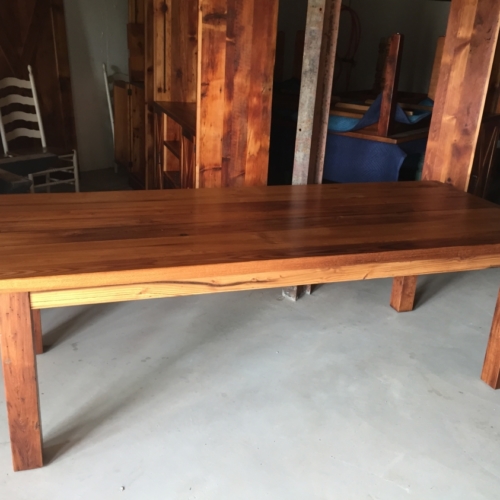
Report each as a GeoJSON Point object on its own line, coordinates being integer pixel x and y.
{"type": "Point", "coordinates": [29, 164]}
{"type": "Point", "coordinates": [40, 150]}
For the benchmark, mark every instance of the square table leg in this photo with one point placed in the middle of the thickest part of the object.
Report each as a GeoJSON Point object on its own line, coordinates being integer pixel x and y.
{"type": "Point", "coordinates": [36, 318]}
{"type": "Point", "coordinates": [491, 367]}
{"type": "Point", "coordinates": [20, 378]}
{"type": "Point", "coordinates": [403, 293]}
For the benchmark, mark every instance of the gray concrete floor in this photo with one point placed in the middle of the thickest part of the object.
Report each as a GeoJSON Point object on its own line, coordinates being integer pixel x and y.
{"type": "Point", "coordinates": [249, 396]}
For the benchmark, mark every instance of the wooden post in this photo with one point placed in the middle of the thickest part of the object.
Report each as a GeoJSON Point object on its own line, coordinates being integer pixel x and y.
{"type": "Point", "coordinates": [318, 66]}
{"type": "Point", "coordinates": [491, 367]}
{"type": "Point", "coordinates": [20, 379]}
{"type": "Point", "coordinates": [149, 93]}
{"type": "Point", "coordinates": [392, 71]}
{"type": "Point", "coordinates": [464, 77]}
{"type": "Point", "coordinates": [320, 47]}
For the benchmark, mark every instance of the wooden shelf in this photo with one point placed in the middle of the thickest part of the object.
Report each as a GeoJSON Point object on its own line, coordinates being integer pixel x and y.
{"type": "Point", "coordinates": [181, 112]}
{"type": "Point", "coordinates": [174, 147]}
{"type": "Point", "coordinates": [172, 180]}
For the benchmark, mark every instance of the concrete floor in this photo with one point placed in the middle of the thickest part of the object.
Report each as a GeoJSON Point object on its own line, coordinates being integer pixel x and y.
{"type": "Point", "coordinates": [247, 396]}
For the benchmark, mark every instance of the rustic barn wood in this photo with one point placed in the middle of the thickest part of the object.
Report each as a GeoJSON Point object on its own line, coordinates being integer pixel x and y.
{"type": "Point", "coordinates": [149, 94]}
{"type": "Point", "coordinates": [468, 54]}
{"type": "Point", "coordinates": [217, 55]}
{"type": "Point", "coordinates": [320, 46]}
{"type": "Point", "coordinates": [68, 249]}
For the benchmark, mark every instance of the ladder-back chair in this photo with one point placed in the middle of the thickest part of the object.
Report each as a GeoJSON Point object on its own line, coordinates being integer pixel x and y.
{"type": "Point", "coordinates": [20, 117]}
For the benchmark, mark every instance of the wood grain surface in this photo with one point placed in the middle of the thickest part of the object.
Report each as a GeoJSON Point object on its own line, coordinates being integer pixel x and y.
{"type": "Point", "coordinates": [464, 76]}
{"type": "Point", "coordinates": [36, 319]}
{"type": "Point", "coordinates": [20, 379]}
{"type": "Point", "coordinates": [403, 293]}
{"type": "Point", "coordinates": [202, 241]}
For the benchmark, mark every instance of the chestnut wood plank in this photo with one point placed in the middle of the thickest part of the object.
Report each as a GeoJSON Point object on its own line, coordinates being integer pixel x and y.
{"type": "Point", "coordinates": [491, 368]}
{"type": "Point", "coordinates": [20, 379]}
{"type": "Point", "coordinates": [467, 60]}
{"type": "Point", "coordinates": [237, 41]}
{"type": "Point", "coordinates": [54, 242]}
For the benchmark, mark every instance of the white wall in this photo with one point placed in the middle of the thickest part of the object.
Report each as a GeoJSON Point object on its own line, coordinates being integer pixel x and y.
{"type": "Point", "coordinates": [421, 21]}
{"type": "Point", "coordinates": [97, 34]}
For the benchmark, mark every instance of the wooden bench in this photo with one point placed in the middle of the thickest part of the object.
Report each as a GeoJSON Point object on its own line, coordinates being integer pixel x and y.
{"type": "Point", "coordinates": [87, 248]}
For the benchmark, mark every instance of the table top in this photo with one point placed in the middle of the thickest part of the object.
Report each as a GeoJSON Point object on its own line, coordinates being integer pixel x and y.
{"type": "Point", "coordinates": [66, 241]}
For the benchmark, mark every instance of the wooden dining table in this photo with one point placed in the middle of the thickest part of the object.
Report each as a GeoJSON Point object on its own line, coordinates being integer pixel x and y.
{"type": "Point", "coordinates": [89, 248]}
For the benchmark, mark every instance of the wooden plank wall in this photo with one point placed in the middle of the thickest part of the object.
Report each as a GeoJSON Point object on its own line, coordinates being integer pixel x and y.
{"type": "Point", "coordinates": [182, 57]}
{"type": "Point", "coordinates": [149, 93]}
{"type": "Point", "coordinates": [236, 64]}
{"type": "Point", "coordinates": [468, 53]}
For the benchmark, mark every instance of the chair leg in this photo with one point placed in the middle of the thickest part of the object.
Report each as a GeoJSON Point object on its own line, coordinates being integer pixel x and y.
{"type": "Point", "coordinates": [31, 178]}
{"type": "Point", "coordinates": [47, 181]}
{"type": "Point", "coordinates": [76, 172]}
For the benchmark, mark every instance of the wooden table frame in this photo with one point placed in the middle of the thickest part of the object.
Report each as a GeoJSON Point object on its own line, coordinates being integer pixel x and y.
{"type": "Point", "coordinates": [295, 257]}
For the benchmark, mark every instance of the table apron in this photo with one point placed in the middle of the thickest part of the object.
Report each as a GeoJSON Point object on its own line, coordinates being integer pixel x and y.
{"type": "Point", "coordinates": [254, 281]}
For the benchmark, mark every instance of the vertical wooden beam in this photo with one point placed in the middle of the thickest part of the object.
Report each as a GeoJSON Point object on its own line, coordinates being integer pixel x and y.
{"type": "Point", "coordinates": [36, 319]}
{"type": "Point", "coordinates": [20, 379]}
{"type": "Point", "coordinates": [320, 48]}
{"type": "Point", "coordinates": [149, 93]}
{"type": "Point", "coordinates": [491, 367]}
{"type": "Point", "coordinates": [469, 48]}
{"type": "Point", "coordinates": [236, 51]}
{"type": "Point", "coordinates": [403, 293]}
{"type": "Point", "coordinates": [259, 96]}
{"type": "Point", "coordinates": [392, 71]}
{"type": "Point", "coordinates": [212, 28]}
{"type": "Point", "coordinates": [318, 66]}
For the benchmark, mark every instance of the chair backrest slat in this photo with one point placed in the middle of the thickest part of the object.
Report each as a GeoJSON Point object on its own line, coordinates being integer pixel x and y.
{"type": "Point", "coordinates": [19, 116]}
{"type": "Point", "coordinates": [10, 99]}
{"type": "Point", "coordinates": [15, 82]}
{"type": "Point", "coordinates": [23, 132]}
